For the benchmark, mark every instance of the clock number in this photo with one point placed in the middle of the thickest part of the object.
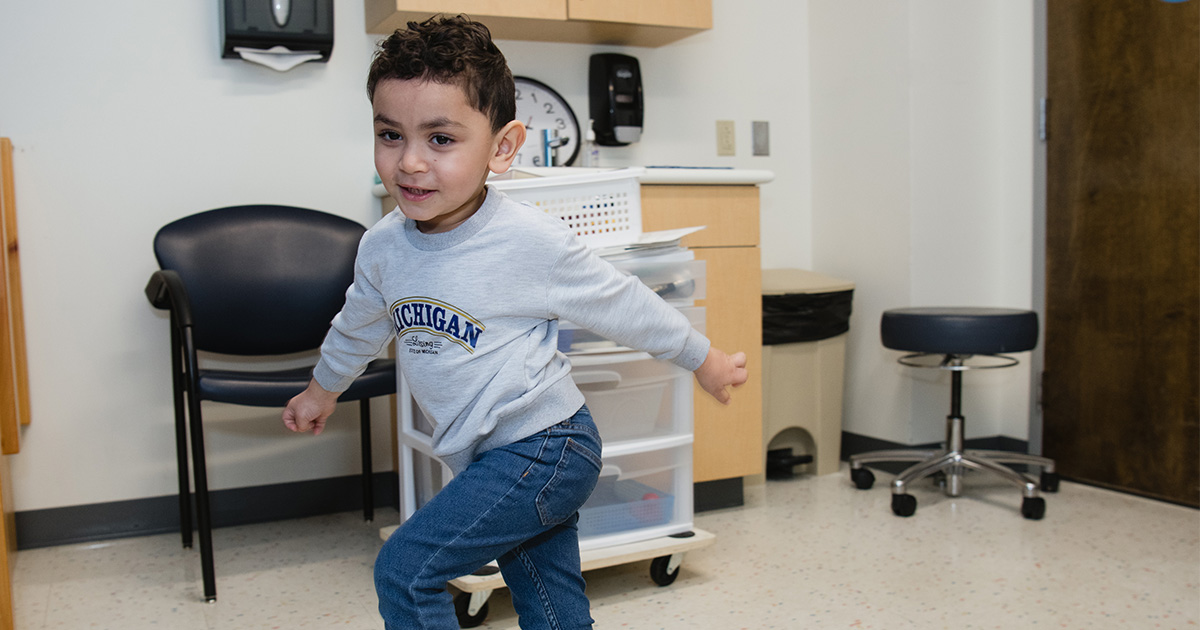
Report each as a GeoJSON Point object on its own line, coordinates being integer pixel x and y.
{"type": "Point", "coordinates": [549, 108]}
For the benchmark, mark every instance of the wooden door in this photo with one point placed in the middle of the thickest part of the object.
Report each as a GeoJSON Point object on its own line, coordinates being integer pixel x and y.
{"type": "Point", "coordinates": [1122, 329]}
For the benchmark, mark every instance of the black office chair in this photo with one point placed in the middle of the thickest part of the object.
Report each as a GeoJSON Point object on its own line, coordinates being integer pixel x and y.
{"type": "Point", "coordinates": [951, 337]}
{"type": "Point", "coordinates": [252, 281]}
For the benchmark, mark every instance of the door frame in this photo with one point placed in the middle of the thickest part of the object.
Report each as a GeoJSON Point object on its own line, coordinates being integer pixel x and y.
{"type": "Point", "coordinates": [1038, 284]}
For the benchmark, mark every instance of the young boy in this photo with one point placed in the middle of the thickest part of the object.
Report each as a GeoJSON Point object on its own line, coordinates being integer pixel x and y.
{"type": "Point", "coordinates": [474, 284]}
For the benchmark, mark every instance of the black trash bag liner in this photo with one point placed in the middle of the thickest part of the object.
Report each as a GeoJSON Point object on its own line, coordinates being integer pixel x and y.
{"type": "Point", "coordinates": [797, 317]}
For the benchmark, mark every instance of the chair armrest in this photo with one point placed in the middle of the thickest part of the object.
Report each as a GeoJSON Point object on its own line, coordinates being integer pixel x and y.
{"type": "Point", "coordinates": [166, 290]}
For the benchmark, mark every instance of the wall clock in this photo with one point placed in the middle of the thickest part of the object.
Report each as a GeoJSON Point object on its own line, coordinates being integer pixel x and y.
{"type": "Point", "coordinates": [540, 107]}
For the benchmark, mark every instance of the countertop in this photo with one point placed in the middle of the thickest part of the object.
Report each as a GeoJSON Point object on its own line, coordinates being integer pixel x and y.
{"type": "Point", "coordinates": [654, 175]}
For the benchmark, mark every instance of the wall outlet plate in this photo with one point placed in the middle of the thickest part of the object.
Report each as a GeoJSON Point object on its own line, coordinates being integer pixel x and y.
{"type": "Point", "coordinates": [726, 140]}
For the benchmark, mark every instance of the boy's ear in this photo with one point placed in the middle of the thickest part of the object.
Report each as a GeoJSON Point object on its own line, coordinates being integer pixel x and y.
{"type": "Point", "coordinates": [509, 140]}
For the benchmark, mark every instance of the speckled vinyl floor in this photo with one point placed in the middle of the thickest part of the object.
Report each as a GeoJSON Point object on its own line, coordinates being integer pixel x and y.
{"type": "Point", "coordinates": [813, 552]}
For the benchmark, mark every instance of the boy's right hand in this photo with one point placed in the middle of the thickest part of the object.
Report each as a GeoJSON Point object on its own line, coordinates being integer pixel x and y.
{"type": "Point", "coordinates": [309, 409]}
{"type": "Point", "coordinates": [721, 370]}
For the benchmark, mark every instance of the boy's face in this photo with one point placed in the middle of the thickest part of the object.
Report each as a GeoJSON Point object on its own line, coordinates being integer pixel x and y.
{"type": "Point", "coordinates": [433, 150]}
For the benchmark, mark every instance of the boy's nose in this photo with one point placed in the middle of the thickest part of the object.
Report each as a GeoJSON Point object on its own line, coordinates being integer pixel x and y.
{"type": "Point", "coordinates": [412, 162]}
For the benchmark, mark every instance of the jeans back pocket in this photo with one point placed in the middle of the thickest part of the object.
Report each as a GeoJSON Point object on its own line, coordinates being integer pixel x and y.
{"type": "Point", "coordinates": [575, 476]}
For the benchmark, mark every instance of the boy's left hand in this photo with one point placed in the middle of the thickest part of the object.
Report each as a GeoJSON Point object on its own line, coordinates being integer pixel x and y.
{"type": "Point", "coordinates": [721, 370]}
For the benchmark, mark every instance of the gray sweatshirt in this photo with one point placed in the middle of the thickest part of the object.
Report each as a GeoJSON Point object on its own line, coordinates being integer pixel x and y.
{"type": "Point", "coordinates": [476, 311]}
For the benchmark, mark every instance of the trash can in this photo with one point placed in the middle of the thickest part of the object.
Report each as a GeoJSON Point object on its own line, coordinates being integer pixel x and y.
{"type": "Point", "coordinates": [805, 319]}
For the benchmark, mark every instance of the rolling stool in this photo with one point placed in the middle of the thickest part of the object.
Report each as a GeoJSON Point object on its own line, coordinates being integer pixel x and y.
{"type": "Point", "coordinates": [954, 335]}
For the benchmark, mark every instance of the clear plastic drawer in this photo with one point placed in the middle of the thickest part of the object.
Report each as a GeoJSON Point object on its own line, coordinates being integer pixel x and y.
{"type": "Point", "coordinates": [672, 278]}
{"type": "Point", "coordinates": [640, 495]}
{"type": "Point", "coordinates": [633, 396]}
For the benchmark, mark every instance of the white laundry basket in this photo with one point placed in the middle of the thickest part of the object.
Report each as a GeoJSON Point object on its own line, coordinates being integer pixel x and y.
{"type": "Point", "coordinates": [603, 208]}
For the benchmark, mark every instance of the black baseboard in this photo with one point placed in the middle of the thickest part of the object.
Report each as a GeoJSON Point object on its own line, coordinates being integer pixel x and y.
{"type": "Point", "coordinates": [853, 444]}
{"type": "Point", "coordinates": [715, 495]}
{"type": "Point", "coordinates": [259, 504]}
{"type": "Point", "coordinates": [236, 506]}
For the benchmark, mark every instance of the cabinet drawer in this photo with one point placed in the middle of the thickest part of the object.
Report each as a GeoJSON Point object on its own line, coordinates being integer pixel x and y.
{"type": "Point", "coordinates": [730, 213]}
{"type": "Point", "coordinates": [634, 399]}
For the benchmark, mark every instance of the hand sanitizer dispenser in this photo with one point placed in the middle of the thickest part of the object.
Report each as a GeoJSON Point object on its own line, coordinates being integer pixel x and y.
{"type": "Point", "coordinates": [615, 86]}
{"type": "Point", "coordinates": [280, 34]}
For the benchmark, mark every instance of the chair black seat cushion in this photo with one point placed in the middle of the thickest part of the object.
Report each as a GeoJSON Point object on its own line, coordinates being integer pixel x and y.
{"type": "Point", "coordinates": [275, 389]}
{"type": "Point", "coordinates": [959, 330]}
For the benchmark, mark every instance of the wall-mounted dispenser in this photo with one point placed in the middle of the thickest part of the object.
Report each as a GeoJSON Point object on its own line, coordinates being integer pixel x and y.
{"type": "Point", "coordinates": [615, 87]}
{"type": "Point", "coordinates": [279, 34]}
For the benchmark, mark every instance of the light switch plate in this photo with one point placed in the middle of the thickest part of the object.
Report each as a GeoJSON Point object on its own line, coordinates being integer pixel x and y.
{"type": "Point", "coordinates": [761, 136]}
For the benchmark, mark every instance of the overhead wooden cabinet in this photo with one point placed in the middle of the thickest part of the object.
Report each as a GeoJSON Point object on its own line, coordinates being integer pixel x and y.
{"type": "Point", "coordinates": [617, 22]}
{"type": "Point", "coordinates": [728, 438]}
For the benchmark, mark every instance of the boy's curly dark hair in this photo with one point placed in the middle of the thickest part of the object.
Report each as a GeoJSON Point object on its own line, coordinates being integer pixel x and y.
{"type": "Point", "coordinates": [453, 50]}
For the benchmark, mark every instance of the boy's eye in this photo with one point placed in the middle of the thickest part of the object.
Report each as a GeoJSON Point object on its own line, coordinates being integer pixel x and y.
{"type": "Point", "coordinates": [441, 140]}
{"type": "Point", "coordinates": [390, 136]}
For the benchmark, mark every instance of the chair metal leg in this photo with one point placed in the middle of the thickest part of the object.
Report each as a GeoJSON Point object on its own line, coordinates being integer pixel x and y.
{"type": "Point", "coordinates": [922, 469]}
{"type": "Point", "coordinates": [203, 514]}
{"type": "Point", "coordinates": [892, 455]}
{"type": "Point", "coordinates": [179, 385]}
{"type": "Point", "coordinates": [1029, 488]}
{"type": "Point", "coordinates": [368, 473]}
{"type": "Point", "coordinates": [185, 489]}
{"type": "Point", "coordinates": [200, 475]}
{"type": "Point", "coordinates": [1009, 457]}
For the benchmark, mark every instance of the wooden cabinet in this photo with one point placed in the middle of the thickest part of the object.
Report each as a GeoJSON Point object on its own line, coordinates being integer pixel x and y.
{"type": "Point", "coordinates": [617, 22]}
{"type": "Point", "coordinates": [728, 438]}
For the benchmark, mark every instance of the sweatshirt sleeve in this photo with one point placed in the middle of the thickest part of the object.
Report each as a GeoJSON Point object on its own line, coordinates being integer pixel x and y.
{"type": "Point", "coordinates": [589, 291]}
{"type": "Point", "coordinates": [357, 335]}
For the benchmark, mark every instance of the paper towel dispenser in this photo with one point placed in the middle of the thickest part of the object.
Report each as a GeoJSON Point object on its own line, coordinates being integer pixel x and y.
{"type": "Point", "coordinates": [615, 96]}
{"type": "Point", "coordinates": [277, 33]}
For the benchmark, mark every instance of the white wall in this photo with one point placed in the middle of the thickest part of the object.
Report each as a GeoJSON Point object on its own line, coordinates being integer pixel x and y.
{"type": "Point", "coordinates": [922, 191]}
{"type": "Point", "coordinates": [124, 118]}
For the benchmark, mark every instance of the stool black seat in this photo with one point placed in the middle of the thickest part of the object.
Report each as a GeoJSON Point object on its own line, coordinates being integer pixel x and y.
{"type": "Point", "coordinates": [956, 335]}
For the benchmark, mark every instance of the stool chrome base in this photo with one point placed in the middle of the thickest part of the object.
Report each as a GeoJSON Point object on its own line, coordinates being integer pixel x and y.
{"type": "Point", "coordinates": [953, 460]}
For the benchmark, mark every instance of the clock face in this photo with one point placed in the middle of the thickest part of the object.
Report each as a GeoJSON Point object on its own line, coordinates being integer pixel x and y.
{"type": "Point", "coordinates": [540, 107]}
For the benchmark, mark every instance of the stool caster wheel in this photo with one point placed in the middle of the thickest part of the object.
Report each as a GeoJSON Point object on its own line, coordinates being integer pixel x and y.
{"type": "Point", "coordinates": [1033, 508]}
{"type": "Point", "coordinates": [1049, 481]}
{"type": "Point", "coordinates": [863, 479]}
{"type": "Point", "coordinates": [904, 504]}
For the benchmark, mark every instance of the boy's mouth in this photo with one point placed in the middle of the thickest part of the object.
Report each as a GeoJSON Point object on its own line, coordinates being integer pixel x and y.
{"type": "Point", "coordinates": [415, 194]}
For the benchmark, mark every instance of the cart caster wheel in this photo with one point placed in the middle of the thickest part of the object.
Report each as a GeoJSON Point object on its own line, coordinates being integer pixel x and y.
{"type": "Point", "coordinates": [466, 620]}
{"type": "Point", "coordinates": [904, 504]}
{"type": "Point", "coordinates": [658, 571]}
{"type": "Point", "coordinates": [863, 479]}
{"type": "Point", "coordinates": [1049, 481]}
{"type": "Point", "coordinates": [1033, 508]}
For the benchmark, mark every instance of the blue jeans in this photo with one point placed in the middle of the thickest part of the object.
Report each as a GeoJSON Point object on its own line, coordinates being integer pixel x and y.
{"type": "Point", "coordinates": [517, 504]}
